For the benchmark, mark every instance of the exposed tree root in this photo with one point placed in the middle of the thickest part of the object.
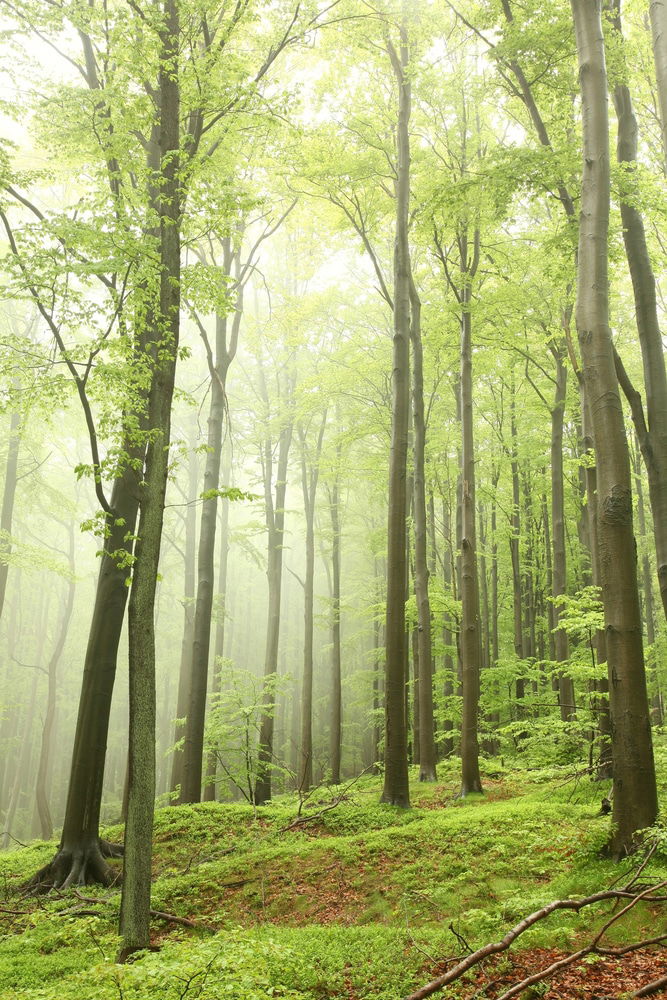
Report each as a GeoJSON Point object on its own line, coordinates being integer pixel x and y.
{"type": "Point", "coordinates": [78, 866]}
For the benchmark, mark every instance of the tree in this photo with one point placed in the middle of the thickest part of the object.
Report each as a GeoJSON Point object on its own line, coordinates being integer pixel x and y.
{"type": "Point", "coordinates": [635, 796]}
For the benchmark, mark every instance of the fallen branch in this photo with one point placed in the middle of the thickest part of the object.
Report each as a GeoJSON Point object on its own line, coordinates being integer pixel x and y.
{"type": "Point", "coordinates": [496, 947]}
{"type": "Point", "coordinates": [158, 914]}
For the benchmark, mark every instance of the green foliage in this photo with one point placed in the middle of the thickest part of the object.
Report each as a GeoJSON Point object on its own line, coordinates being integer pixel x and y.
{"type": "Point", "coordinates": [347, 903]}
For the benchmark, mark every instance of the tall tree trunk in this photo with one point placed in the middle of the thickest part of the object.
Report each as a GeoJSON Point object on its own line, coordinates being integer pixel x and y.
{"type": "Point", "coordinates": [427, 758]}
{"type": "Point", "coordinates": [652, 438]}
{"type": "Point", "coordinates": [559, 564]}
{"type": "Point", "coordinates": [470, 644]}
{"type": "Point", "coordinates": [219, 647]}
{"type": "Point", "coordinates": [193, 746]}
{"type": "Point", "coordinates": [275, 520]}
{"type": "Point", "coordinates": [658, 13]}
{"type": "Point", "coordinates": [515, 538]}
{"type": "Point", "coordinates": [310, 472]}
{"type": "Point", "coordinates": [184, 673]}
{"type": "Point", "coordinates": [336, 685]}
{"type": "Point", "coordinates": [396, 787]}
{"type": "Point", "coordinates": [8, 494]}
{"type": "Point", "coordinates": [41, 787]}
{"type": "Point", "coordinates": [635, 797]}
{"type": "Point", "coordinates": [135, 899]}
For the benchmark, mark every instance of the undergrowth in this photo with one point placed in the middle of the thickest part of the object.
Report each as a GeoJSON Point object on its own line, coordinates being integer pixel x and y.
{"type": "Point", "coordinates": [362, 901]}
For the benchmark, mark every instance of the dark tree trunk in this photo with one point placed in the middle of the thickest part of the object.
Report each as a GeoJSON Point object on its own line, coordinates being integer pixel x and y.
{"type": "Point", "coordinates": [635, 797]}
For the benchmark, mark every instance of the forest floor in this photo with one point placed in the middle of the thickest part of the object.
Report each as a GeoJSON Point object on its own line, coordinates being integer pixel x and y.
{"type": "Point", "coordinates": [361, 902]}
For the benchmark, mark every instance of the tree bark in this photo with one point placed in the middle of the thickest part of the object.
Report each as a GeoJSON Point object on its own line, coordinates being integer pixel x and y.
{"type": "Point", "coordinates": [219, 648]}
{"type": "Point", "coordinates": [41, 786]}
{"type": "Point", "coordinates": [658, 14]}
{"type": "Point", "coordinates": [652, 437]}
{"type": "Point", "coordinates": [193, 746]}
{"type": "Point", "coordinates": [310, 472]}
{"type": "Point", "coordinates": [470, 644]}
{"type": "Point", "coordinates": [635, 796]}
{"type": "Point", "coordinates": [8, 494]}
{"type": "Point", "coordinates": [559, 564]}
{"type": "Point", "coordinates": [275, 522]}
{"type": "Point", "coordinates": [427, 758]}
{"type": "Point", "coordinates": [396, 787]}
{"type": "Point", "coordinates": [336, 680]}
{"type": "Point", "coordinates": [135, 900]}
{"type": "Point", "coordinates": [183, 696]}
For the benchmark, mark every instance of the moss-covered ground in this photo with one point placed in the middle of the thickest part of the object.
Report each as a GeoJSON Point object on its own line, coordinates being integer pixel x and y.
{"type": "Point", "coordinates": [365, 901]}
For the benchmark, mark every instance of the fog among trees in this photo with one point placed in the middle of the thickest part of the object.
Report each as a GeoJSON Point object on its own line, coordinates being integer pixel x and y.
{"type": "Point", "coordinates": [333, 407]}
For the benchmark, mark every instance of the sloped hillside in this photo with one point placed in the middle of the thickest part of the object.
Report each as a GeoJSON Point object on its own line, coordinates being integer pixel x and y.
{"type": "Point", "coordinates": [355, 901]}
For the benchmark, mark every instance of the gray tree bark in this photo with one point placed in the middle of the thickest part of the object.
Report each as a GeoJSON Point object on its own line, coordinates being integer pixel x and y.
{"type": "Point", "coordinates": [635, 796]}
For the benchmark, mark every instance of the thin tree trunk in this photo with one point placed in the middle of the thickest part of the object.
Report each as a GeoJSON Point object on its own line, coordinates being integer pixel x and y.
{"type": "Point", "coordinates": [470, 645]}
{"type": "Point", "coordinates": [309, 478]}
{"type": "Point", "coordinates": [559, 565]}
{"type": "Point", "coordinates": [336, 684]}
{"type": "Point", "coordinates": [275, 520]}
{"type": "Point", "coordinates": [427, 758]}
{"type": "Point", "coordinates": [396, 787]}
{"type": "Point", "coordinates": [184, 674]}
{"type": "Point", "coordinates": [41, 787]}
{"type": "Point", "coordinates": [219, 647]}
{"type": "Point", "coordinates": [193, 746]}
{"type": "Point", "coordinates": [9, 492]}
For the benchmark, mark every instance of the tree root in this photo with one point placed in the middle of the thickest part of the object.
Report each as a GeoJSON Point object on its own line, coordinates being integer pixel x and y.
{"type": "Point", "coordinates": [78, 866]}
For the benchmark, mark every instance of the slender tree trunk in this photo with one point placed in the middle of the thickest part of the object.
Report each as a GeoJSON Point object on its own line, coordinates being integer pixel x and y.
{"type": "Point", "coordinates": [559, 565]}
{"type": "Point", "coordinates": [135, 899]}
{"type": "Point", "coordinates": [219, 647]}
{"type": "Point", "coordinates": [193, 746]}
{"type": "Point", "coordinates": [635, 796]}
{"type": "Point", "coordinates": [41, 787]}
{"type": "Point", "coordinates": [427, 758]}
{"type": "Point", "coordinates": [470, 645]}
{"type": "Point", "coordinates": [396, 788]}
{"type": "Point", "coordinates": [515, 538]}
{"type": "Point", "coordinates": [309, 479]}
{"type": "Point", "coordinates": [183, 697]}
{"type": "Point", "coordinates": [9, 492]}
{"type": "Point", "coordinates": [275, 518]}
{"type": "Point", "coordinates": [336, 685]}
